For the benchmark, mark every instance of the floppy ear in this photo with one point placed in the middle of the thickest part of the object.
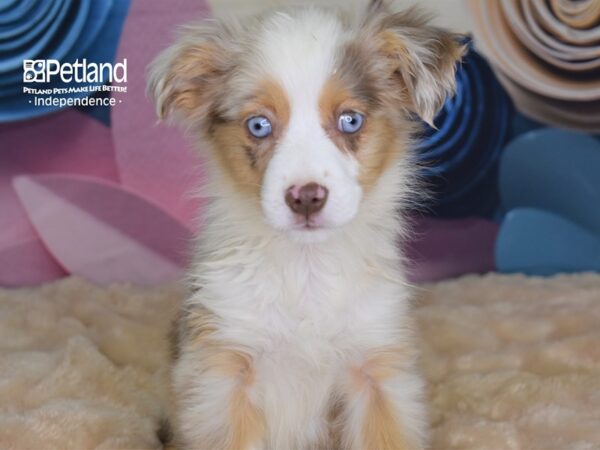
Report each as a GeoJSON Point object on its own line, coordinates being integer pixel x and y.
{"type": "Point", "coordinates": [421, 57]}
{"type": "Point", "coordinates": [183, 80]}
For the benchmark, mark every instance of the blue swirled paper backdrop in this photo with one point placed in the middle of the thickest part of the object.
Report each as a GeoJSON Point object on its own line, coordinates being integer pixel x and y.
{"type": "Point", "coordinates": [460, 158]}
{"type": "Point", "coordinates": [64, 30]}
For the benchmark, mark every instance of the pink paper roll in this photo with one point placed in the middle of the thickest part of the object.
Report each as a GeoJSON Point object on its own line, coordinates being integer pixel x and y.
{"type": "Point", "coordinates": [28, 263]}
{"type": "Point", "coordinates": [153, 158]}
{"type": "Point", "coordinates": [65, 142]}
{"type": "Point", "coordinates": [442, 248]}
{"type": "Point", "coordinates": [102, 232]}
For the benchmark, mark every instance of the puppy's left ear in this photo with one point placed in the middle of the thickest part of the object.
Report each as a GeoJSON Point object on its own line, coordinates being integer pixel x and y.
{"type": "Point", "coordinates": [420, 58]}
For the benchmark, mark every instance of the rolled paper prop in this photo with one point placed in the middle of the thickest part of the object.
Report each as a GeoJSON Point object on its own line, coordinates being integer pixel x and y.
{"type": "Point", "coordinates": [532, 35]}
{"type": "Point", "coordinates": [562, 29]}
{"type": "Point", "coordinates": [153, 158]}
{"type": "Point", "coordinates": [556, 171]}
{"type": "Point", "coordinates": [444, 248]}
{"type": "Point", "coordinates": [547, 55]}
{"type": "Point", "coordinates": [558, 113]}
{"type": "Point", "coordinates": [103, 232]}
{"type": "Point", "coordinates": [537, 242]}
{"type": "Point", "coordinates": [62, 30]}
{"type": "Point", "coordinates": [581, 14]}
{"type": "Point", "coordinates": [459, 158]}
{"type": "Point", "coordinates": [67, 143]}
{"type": "Point", "coordinates": [28, 263]}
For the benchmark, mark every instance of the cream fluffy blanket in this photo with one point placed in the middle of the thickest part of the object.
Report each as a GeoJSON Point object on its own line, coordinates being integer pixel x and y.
{"type": "Point", "coordinates": [511, 363]}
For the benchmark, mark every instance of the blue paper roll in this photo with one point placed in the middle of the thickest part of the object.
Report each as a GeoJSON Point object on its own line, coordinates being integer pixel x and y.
{"type": "Point", "coordinates": [13, 32]}
{"type": "Point", "coordinates": [12, 11]}
{"type": "Point", "coordinates": [554, 170]}
{"type": "Point", "coordinates": [52, 28]}
{"type": "Point", "coordinates": [538, 242]}
{"type": "Point", "coordinates": [460, 158]}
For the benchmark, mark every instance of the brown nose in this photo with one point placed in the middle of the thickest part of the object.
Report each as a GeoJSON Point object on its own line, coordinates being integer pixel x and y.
{"type": "Point", "coordinates": [306, 200]}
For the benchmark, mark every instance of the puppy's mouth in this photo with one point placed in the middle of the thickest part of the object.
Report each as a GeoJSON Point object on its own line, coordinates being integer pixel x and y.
{"type": "Point", "coordinates": [309, 230]}
{"type": "Point", "coordinates": [308, 224]}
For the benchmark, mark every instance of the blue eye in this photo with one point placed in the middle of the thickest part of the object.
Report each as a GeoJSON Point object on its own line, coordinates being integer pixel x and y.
{"type": "Point", "coordinates": [259, 126]}
{"type": "Point", "coordinates": [350, 122]}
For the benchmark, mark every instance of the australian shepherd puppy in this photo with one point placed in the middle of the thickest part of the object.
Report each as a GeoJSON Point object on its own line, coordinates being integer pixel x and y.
{"type": "Point", "coordinates": [298, 334]}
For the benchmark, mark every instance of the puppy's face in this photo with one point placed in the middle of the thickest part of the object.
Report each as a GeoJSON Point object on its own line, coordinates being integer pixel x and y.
{"type": "Point", "coordinates": [304, 110]}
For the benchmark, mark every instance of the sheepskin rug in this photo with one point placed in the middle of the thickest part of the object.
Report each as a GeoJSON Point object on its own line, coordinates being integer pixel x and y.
{"type": "Point", "coordinates": [511, 363]}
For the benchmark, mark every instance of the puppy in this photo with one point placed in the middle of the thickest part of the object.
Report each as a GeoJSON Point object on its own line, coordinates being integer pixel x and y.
{"type": "Point", "coordinates": [298, 334]}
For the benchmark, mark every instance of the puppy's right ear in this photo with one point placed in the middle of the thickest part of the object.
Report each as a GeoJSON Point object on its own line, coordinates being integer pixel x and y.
{"type": "Point", "coordinates": [184, 79]}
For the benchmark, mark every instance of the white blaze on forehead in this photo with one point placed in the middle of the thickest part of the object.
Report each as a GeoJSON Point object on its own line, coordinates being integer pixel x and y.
{"type": "Point", "coordinates": [298, 50]}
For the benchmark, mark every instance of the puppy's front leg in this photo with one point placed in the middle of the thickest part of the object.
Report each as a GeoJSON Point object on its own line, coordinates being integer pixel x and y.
{"type": "Point", "coordinates": [381, 405]}
{"type": "Point", "coordinates": [212, 387]}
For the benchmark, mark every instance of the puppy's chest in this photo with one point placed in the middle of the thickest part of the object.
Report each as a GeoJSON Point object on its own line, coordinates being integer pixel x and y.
{"type": "Point", "coordinates": [310, 310]}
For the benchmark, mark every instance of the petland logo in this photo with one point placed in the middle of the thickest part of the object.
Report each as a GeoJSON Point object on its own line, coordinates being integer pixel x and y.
{"type": "Point", "coordinates": [53, 84]}
{"type": "Point", "coordinates": [46, 70]}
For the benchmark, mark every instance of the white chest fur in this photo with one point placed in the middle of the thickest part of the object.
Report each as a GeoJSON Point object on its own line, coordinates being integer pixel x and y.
{"type": "Point", "coordinates": [272, 293]}
{"type": "Point", "coordinates": [304, 313]}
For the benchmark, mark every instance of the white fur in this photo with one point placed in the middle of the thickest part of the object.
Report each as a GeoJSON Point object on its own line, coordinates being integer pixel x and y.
{"type": "Point", "coordinates": [307, 312]}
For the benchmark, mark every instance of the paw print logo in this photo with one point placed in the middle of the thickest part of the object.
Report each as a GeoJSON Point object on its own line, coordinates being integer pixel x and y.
{"type": "Point", "coordinates": [34, 71]}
